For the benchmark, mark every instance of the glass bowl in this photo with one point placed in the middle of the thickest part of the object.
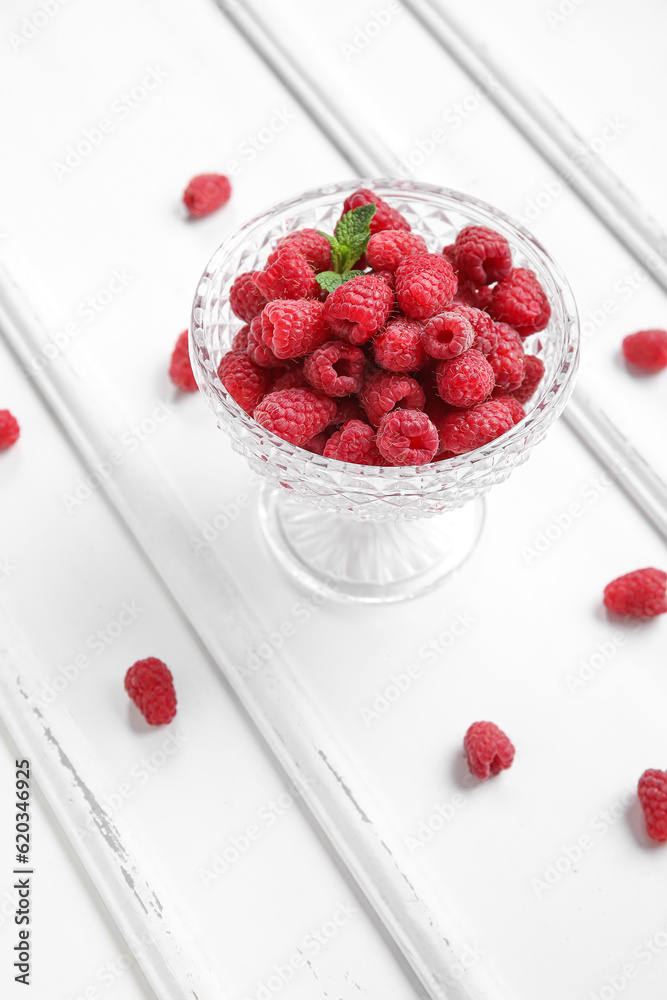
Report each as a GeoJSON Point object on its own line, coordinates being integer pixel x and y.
{"type": "Point", "coordinates": [360, 532]}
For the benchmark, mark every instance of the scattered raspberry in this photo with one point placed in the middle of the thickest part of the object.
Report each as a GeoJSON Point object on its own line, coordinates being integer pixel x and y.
{"type": "Point", "coordinates": [293, 328]}
{"type": "Point", "coordinates": [245, 298]}
{"type": "Point", "coordinates": [386, 249]}
{"type": "Point", "coordinates": [466, 380]}
{"type": "Point", "coordinates": [258, 352]}
{"type": "Point", "coordinates": [180, 369]}
{"type": "Point", "coordinates": [385, 216]}
{"type": "Point", "coordinates": [289, 276]}
{"type": "Point", "coordinates": [448, 334]}
{"type": "Point", "coordinates": [310, 244]}
{"type": "Point", "coordinates": [425, 285]}
{"type": "Point", "coordinates": [642, 594]}
{"type": "Point", "coordinates": [244, 381]}
{"type": "Point", "coordinates": [151, 687]}
{"type": "Point", "coordinates": [482, 255]}
{"type": "Point", "coordinates": [9, 430]}
{"type": "Point", "coordinates": [348, 409]}
{"type": "Point", "coordinates": [240, 339]}
{"type": "Point", "coordinates": [508, 358]}
{"type": "Point", "coordinates": [512, 404]}
{"type": "Point", "coordinates": [399, 348]}
{"type": "Point", "coordinates": [383, 391]}
{"type": "Point", "coordinates": [296, 415]}
{"type": "Point", "coordinates": [532, 376]}
{"type": "Point", "coordinates": [336, 368]}
{"type": "Point", "coordinates": [470, 429]}
{"type": "Point", "coordinates": [647, 350]}
{"type": "Point", "coordinates": [652, 791]}
{"type": "Point", "coordinates": [354, 442]}
{"type": "Point", "coordinates": [488, 750]}
{"type": "Point", "coordinates": [486, 334]}
{"type": "Point", "coordinates": [407, 437]}
{"type": "Point", "coordinates": [357, 309]}
{"type": "Point", "coordinates": [206, 193]}
{"type": "Point", "coordinates": [519, 300]}
{"type": "Point", "coordinates": [290, 378]}
{"type": "Point", "coordinates": [317, 444]}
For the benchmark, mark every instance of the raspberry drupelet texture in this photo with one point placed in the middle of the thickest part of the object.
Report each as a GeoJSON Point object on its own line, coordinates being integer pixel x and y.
{"type": "Point", "coordinates": [486, 334]}
{"type": "Point", "coordinates": [206, 193]}
{"type": "Point", "coordinates": [652, 791]}
{"type": "Point", "coordinates": [512, 404]}
{"type": "Point", "coordinates": [641, 594]}
{"type": "Point", "coordinates": [399, 348]}
{"type": "Point", "coordinates": [289, 276]}
{"type": "Point", "coordinates": [465, 380]}
{"type": "Point", "coordinates": [245, 298]}
{"type": "Point", "coordinates": [385, 216]}
{"type": "Point", "coordinates": [647, 350]}
{"type": "Point", "coordinates": [296, 415]}
{"type": "Point", "coordinates": [357, 309]}
{"type": "Point", "coordinates": [533, 373]}
{"type": "Point", "coordinates": [354, 442]}
{"type": "Point", "coordinates": [243, 380]}
{"type": "Point", "coordinates": [150, 685]}
{"type": "Point", "coordinates": [425, 285]}
{"type": "Point", "coordinates": [386, 249]}
{"type": "Point", "coordinates": [507, 359]}
{"type": "Point", "coordinates": [488, 750]}
{"type": "Point", "coordinates": [482, 255]}
{"type": "Point", "coordinates": [9, 430]}
{"type": "Point", "coordinates": [180, 369]}
{"type": "Point", "coordinates": [240, 338]}
{"type": "Point", "coordinates": [463, 431]}
{"type": "Point", "coordinates": [382, 392]}
{"type": "Point", "coordinates": [519, 300]}
{"type": "Point", "coordinates": [258, 352]}
{"type": "Point", "coordinates": [310, 244]}
{"type": "Point", "coordinates": [407, 437]}
{"type": "Point", "coordinates": [448, 334]}
{"type": "Point", "coordinates": [292, 328]}
{"type": "Point", "coordinates": [288, 378]}
{"type": "Point", "coordinates": [337, 368]}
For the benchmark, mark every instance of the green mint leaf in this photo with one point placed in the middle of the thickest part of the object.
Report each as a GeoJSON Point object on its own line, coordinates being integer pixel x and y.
{"type": "Point", "coordinates": [348, 275]}
{"type": "Point", "coordinates": [355, 225]}
{"type": "Point", "coordinates": [330, 280]}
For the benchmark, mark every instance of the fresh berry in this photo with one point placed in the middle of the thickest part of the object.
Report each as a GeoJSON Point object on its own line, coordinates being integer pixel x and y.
{"type": "Point", "coordinates": [520, 301]}
{"type": "Point", "coordinates": [512, 404]}
{"type": "Point", "coordinates": [9, 430]}
{"type": "Point", "coordinates": [488, 750]}
{"type": "Point", "coordinates": [384, 391]}
{"type": "Point", "coordinates": [385, 216]}
{"type": "Point", "coordinates": [258, 352]}
{"type": "Point", "coordinates": [151, 687]}
{"type": "Point", "coordinates": [486, 334]}
{"type": "Point", "coordinates": [434, 405]}
{"type": "Point", "coordinates": [317, 444]}
{"type": "Point", "coordinates": [407, 437]}
{"type": "Point", "coordinates": [244, 381]}
{"type": "Point", "coordinates": [354, 442]}
{"type": "Point", "coordinates": [357, 309]}
{"type": "Point", "coordinates": [290, 378]}
{"type": "Point", "coordinates": [245, 298]}
{"type": "Point", "coordinates": [652, 791]}
{"type": "Point", "coordinates": [386, 249]}
{"type": "Point", "coordinates": [296, 415]}
{"type": "Point", "coordinates": [463, 431]}
{"type": "Point", "coordinates": [206, 193]}
{"type": "Point", "coordinates": [641, 594]}
{"type": "Point", "coordinates": [425, 285]}
{"type": "Point", "coordinates": [466, 380]}
{"type": "Point", "coordinates": [399, 348]}
{"type": "Point", "coordinates": [387, 276]}
{"type": "Point", "coordinates": [310, 244]}
{"type": "Point", "coordinates": [240, 338]}
{"type": "Point", "coordinates": [293, 328]}
{"type": "Point", "coordinates": [467, 292]}
{"type": "Point", "coordinates": [348, 409]}
{"type": "Point", "coordinates": [289, 276]}
{"type": "Point", "coordinates": [533, 372]}
{"type": "Point", "coordinates": [507, 359]}
{"type": "Point", "coordinates": [647, 350]}
{"type": "Point", "coordinates": [336, 368]}
{"type": "Point", "coordinates": [482, 255]}
{"type": "Point", "coordinates": [448, 334]}
{"type": "Point", "coordinates": [180, 369]}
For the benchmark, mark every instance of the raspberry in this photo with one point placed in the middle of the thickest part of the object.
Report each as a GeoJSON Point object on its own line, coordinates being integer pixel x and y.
{"type": "Point", "coordinates": [9, 430]}
{"type": "Point", "coordinates": [206, 193]}
{"type": "Point", "coordinates": [289, 276]}
{"type": "Point", "coordinates": [407, 437]}
{"type": "Point", "coordinates": [292, 378]}
{"type": "Point", "coordinates": [258, 352]}
{"type": "Point", "coordinates": [467, 293]}
{"type": "Point", "coordinates": [383, 391]}
{"type": "Point", "coordinates": [151, 687]}
{"type": "Point", "coordinates": [386, 249]}
{"type": "Point", "coordinates": [245, 298]}
{"type": "Point", "coordinates": [387, 276]}
{"type": "Point", "coordinates": [488, 750]}
{"type": "Point", "coordinates": [482, 255]}
{"type": "Point", "coordinates": [532, 376]}
{"type": "Point", "coordinates": [385, 216]}
{"type": "Point", "coordinates": [448, 334]}
{"type": "Point", "coordinates": [240, 338]}
{"type": "Point", "coordinates": [399, 348]}
{"type": "Point", "coordinates": [354, 442]}
{"type": "Point", "coordinates": [470, 429]}
{"type": "Point", "coordinates": [647, 350]}
{"type": "Point", "coordinates": [425, 285]}
{"type": "Point", "coordinates": [296, 415]}
{"type": "Point", "coordinates": [357, 309]}
{"type": "Point", "coordinates": [512, 404]}
{"type": "Point", "coordinates": [336, 368]}
{"type": "Point", "coordinates": [508, 358]}
{"type": "Point", "coordinates": [317, 444]}
{"type": "Point", "coordinates": [641, 594]}
{"type": "Point", "coordinates": [519, 300]}
{"type": "Point", "coordinates": [180, 369]}
{"type": "Point", "coordinates": [244, 381]}
{"type": "Point", "coordinates": [434, 405]}
{"type": "Point", "coordinates": [465, 380]}
{"type": "Point", "coordinates": [291, 329]}
{"type": "Point", "coordinates": [652, 791]}
{"type": "Point", "coordinates": [486, 335]}
{"type": "Point", "coordinates": [348, 409]}
{"type": "Point", "coordinates": [310, 244]}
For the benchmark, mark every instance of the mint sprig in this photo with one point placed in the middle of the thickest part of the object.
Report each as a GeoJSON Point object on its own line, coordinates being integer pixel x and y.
{"type": "Point", "coordinates": [347, 245]}
{"type": "Point", "coordinates": [330, 280]}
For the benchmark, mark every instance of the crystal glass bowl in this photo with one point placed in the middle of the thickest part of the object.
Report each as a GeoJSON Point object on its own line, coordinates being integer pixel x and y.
{"type": "Point", "coordinates": [359, 532]}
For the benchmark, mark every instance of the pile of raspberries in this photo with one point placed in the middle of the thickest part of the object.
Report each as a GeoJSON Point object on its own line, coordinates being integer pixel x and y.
{"type": "Point", "coordinates": [366, 347]}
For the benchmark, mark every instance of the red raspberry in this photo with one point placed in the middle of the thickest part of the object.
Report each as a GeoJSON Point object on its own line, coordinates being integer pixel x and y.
{"type": "Point", "coordinates": [383, 391]}
{"type": "Point", "coordinates": [512, 404]}
{"type": "Point", "coordinates": [533, 372]}
{"type": "Point", "coordinates": [647, 350]}
{"type": "Point", "coordinates": [310, 244]}
{"type": "Point", "coordinates": [434, 405]}
{"type": "Point", "coordinates": [348, 409]}
{"type": "Point", "coordinates": [180, 369]}
{"type": "Point", "coordinates": [488, 750]}
{"type": "Point", "coordinates": [386, 249]}
{"type": "Point", "coordinates": [466, 380]}
{"type": "Point", "coordinates": [206, 193]}
{"type": "Point", "coordinates": [245, 298]}
{"type": "Point", "coordinates": [641, 594]}
{"type": "Point", "coordinates": [508, 358]}
{"type": "Point", "coordinates": [354, 442]}
{"type": "Point", "coordinates": [292, 378]}
{"type": "Point", "coordinates": [448, 334]}
{"type": "Point", "coordinates": [336, 368]}
{"type": "Point", "coordinates": [258, 352]}
{"type": "Point", "coordinates": [407, 437]}
{"type": "Point", "coordinates": [317, 444]}
{"type": "Point", "coordinates": [357, 309]}
{"type": "Point", "coordinates": [486, 335]}
{"type": "Point", "coordinates": [151, 687]}
{"type": "Point", "coordinates": [240, 339]}
{"type": "Point", "coordinates": [520, 301]}
{"type": "Point", "coordinates": [399, 348]}
{"type": "Point", "coordinates": [296, 415]}
{"type": "Point", "coordinates": [482, 255]}
{"type": "Point", "coordinates": [652, 791]}
{"type": "Point", "coordinates": [385, 216]}
{"type": "Point", "coordinates": [425, 285]}
{"type": "Point", "coordinates": [289, 276]}
{"type": "Point", "coordinates": [387, 276]}
{"type": "Point", "coordinates": [471, 429]}
{"type": "Point", "coordinates": [293, 328]}
{"type": "Point", "coordinates": [467, 293]}
{"type": "Point", "coordinates": [244, 381]}
{"type": "Point", "coordinates": [9, 430]}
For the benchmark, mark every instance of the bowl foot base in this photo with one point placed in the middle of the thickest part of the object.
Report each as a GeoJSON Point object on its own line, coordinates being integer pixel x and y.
{"type": "Point", "coordinates": [377, 562]}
